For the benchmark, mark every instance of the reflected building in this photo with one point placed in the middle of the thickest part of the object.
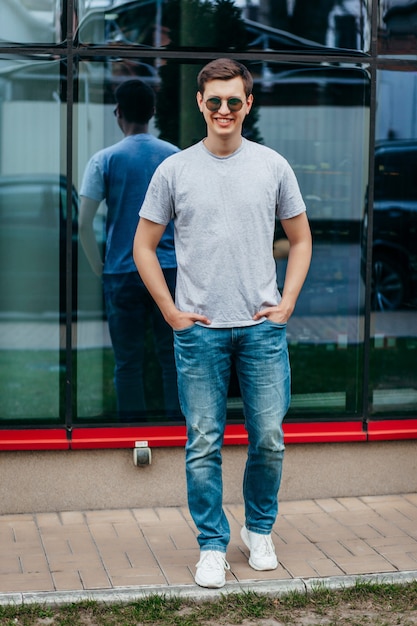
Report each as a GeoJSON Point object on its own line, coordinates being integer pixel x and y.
{"type": "Point", "coordinates": [335, 98]}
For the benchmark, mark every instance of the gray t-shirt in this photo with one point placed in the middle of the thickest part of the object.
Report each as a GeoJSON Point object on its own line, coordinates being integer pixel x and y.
{"type": "Point", "coordinates": [224, 211]}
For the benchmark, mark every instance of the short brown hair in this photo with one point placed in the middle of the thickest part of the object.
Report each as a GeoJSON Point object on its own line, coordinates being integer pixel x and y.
{"type": "Point", "coordinates": [136, 100]}
{"type": "Point", "coordinates": [224, 69]}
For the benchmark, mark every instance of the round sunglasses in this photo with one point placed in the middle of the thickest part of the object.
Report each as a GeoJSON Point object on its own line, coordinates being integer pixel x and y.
{"type": "Point", "coordinates": [214, 104]}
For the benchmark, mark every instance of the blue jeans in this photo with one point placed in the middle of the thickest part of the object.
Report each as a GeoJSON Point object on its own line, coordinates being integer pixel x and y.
{"type": "Point", "coordinates": [129, 306]}
{"type": "Point", "coordinates": [204, 357]}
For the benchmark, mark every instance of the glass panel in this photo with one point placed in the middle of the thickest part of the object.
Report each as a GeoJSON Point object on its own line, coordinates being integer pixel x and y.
{"type": "Point", "coordinates": [318, 118]}
{"type": "Point", "coordinates": [393, 372]}
{"type": "Point", "coordinates": [296, 25]}
{"type": "Point", "coordinates": [397, 28]}
{"type": "Point", "coordinates": [146, 379]}
{"type": "Point", "coordinates": [32, 241]}
{"type": "Point", "coordinates": [32, 21]}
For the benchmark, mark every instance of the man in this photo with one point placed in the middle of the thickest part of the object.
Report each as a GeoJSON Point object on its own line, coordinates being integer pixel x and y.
{"type": "Point", "coordinates": [120, 175]}
{"type": "Point", "coordinates": [224, 195]}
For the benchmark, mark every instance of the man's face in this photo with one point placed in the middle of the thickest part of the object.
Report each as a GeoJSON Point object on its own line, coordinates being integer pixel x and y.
{"type": "Point", "coordinates": [224, 122]}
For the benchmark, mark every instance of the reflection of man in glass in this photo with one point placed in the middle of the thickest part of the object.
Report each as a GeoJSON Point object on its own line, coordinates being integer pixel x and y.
{"type": "Point", "coordinates": [120, 175]}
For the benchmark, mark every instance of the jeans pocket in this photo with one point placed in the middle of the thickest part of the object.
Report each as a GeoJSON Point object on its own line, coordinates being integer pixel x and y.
{"type": "Point", "coordinates": [183, 331]}
{"type": "Point", "coordinates": [280, 325]}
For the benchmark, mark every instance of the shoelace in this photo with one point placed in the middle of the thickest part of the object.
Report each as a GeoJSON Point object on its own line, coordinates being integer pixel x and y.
{"type": "Point", "coordinates": [265, 545]}
{"type": "Point", "coordinates": [213, 560]}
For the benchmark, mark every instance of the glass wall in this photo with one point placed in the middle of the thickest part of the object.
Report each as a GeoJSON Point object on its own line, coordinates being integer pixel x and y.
{"type": "Point", "coordinates": [33, 219]}
{"type": "Point", "coordinates": [336, 99]}
{"type": "Point", "coordinates": [393, 358]}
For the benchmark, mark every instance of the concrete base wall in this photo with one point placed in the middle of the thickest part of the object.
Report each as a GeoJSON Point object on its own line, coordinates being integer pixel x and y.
{"type": "Point", "coordinates": [107, 479]}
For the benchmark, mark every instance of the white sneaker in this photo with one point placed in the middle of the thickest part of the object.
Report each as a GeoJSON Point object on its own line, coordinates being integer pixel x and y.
{"type": "Point", "coordinates": [262, 551]}
{"type": "Point", "coordinates": [211, 569]}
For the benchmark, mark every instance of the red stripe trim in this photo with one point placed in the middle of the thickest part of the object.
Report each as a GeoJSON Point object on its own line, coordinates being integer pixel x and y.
{"type": "Point", "coordinates": [53, 439]}
{"type": "Point", "coordinates": [384, 430]}
{"type": "Point", "coordinates": [235, 434]}
{"type": "Point", "coordinates": [175, 436]}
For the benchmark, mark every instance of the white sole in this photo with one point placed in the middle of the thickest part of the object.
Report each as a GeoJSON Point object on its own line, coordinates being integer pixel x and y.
{"type": "Point", "coordinates": [213, 586]}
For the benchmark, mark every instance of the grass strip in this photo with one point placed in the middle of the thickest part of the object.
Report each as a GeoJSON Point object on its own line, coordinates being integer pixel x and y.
{"type": "Point", "coordinates": [364, 604]}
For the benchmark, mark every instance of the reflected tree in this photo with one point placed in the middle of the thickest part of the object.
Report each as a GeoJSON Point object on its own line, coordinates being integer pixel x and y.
{"type": "Point", "coordinates": [308, 19]}
{"type": "Point", "coordinates": [274, 13]}
{"type": "Point", "coordinates": [203, 25]}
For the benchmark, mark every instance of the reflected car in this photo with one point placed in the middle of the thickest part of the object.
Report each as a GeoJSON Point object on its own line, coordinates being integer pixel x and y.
{"type": "Point", "coordinates": [333, 285]}
{"type": "Point", "coordinates": [33, 250]}
{"type": "Point", "coordinates": [394, 245]}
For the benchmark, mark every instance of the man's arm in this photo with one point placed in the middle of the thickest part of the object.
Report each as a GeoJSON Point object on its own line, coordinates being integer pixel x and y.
{"type": "Point", "coordinates": [88, 209]}
{"type": "Point", "coordinates": [298, 233]}
{"type": "Point", "coordinates": [147, 237]}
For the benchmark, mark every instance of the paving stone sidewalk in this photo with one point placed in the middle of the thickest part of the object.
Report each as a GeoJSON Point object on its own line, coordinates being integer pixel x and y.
{"type": "Point", "coordinates": [117, 553]}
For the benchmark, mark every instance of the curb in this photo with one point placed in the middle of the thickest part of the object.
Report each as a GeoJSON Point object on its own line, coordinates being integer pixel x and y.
{"type": "Point", "coordinates": [193, 592]}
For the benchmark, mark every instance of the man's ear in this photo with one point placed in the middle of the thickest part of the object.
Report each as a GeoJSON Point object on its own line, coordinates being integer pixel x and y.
{"type": "Point", "coordinates": [200, 101]}
{"type": "Point", "coordinates": [249, 102]}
